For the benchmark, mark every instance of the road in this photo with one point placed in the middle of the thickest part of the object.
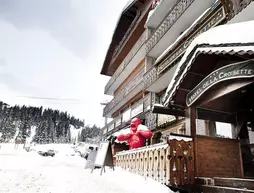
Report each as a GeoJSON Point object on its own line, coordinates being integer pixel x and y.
{"type": "Point", "coordinates": [31, 173]}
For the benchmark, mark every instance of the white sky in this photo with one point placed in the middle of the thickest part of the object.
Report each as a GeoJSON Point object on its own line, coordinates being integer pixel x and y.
{"type": "Point", "coordinates": [55, 49]}
{"type": "Point", "coordinates": [224, 129]}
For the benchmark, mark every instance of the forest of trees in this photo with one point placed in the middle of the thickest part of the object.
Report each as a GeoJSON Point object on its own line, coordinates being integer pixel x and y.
{"type": "Point", "coordinates": [89, 133]}
{"type": "Point", "coordinates": [51, 126]}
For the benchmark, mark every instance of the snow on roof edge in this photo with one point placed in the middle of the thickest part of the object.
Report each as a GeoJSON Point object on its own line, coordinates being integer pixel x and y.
{"type": "Point", "coordinates": [223, 34]}
{"type": "Point", "coordinates": [151, 15]}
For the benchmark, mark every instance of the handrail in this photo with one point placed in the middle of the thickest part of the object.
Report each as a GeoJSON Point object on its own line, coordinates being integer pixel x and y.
{"type": "Point", "coordinates": [127, 33]}
{"type": "Point", "coordinates": [128, 58]}
{"type": "Point", "coordinates": [171, 163]}
{"type": "Point", "coordinates": [174, 14]}
{"type": "Point", "coordinates": [125, 91]}
{"type": "Point", "coordinates": [150, 76]}
{"type": "Point", "coordinates": [145, 101]}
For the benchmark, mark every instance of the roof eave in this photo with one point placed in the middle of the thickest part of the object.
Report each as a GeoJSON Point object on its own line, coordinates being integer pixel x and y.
{"type": "Point", "coordinates": [106, 63]}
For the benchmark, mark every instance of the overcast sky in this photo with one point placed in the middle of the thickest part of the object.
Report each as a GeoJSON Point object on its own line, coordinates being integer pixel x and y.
{"type": "Point", "coordinates": [55, 49]}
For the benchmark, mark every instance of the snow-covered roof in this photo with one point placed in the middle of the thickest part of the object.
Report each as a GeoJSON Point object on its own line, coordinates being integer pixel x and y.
{"type": "Point", "coordinates": [157, 105]}
{"type": "Point", "coordinates": [128, 5]}
{"type": "Point", "coordinates": [180, 138]}
{"type": "Point", "coordinates": [160, 11]}
{"type": "Point", "coordinates": [236, 37]}
{"type": "Point", "coordinates": [115, 39]}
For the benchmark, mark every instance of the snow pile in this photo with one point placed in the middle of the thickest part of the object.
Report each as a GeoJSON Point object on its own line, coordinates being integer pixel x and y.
{"type": "Point", "coordinates": [9, 149]}
{"type": "Point", "coordinates": [123, 181]}
{"type": "Point", "coordinates": [29, 173]}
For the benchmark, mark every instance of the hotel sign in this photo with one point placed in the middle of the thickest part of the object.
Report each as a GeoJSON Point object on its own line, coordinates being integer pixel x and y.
{"type": "Point", "coordinates": [233, 71]}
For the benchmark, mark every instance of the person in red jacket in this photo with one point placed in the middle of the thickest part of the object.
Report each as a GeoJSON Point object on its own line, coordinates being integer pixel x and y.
{"type": "Point", "coordinates": [137, 135]}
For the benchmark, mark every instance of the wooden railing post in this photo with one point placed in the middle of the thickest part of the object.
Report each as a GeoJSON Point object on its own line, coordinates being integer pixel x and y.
{"type": "Point", "coordinates": [168, 164]}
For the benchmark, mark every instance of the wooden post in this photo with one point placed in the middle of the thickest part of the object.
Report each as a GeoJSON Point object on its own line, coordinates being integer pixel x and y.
{"type": "Point", "coordinates": [191, 121]}
{"type": "Point", "coordinates": [191, 115]}
{"type": "Point", "coordinates": [241, 160]}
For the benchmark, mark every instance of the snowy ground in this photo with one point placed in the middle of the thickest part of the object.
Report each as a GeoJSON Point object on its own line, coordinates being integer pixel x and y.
{"type": "Point", "coordinates": [28, 172]}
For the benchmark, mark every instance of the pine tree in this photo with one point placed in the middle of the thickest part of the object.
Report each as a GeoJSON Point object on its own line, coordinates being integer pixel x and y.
{"type": "Point", "coordinates": [52, 126]}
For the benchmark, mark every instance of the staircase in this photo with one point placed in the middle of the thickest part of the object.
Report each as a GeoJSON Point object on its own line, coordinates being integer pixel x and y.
{"type": "Point", "coordinates": [224, 185]}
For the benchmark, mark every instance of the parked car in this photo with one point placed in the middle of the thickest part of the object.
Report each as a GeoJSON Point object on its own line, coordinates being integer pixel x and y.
{"type": "Point", "coordinates": [47, 153]}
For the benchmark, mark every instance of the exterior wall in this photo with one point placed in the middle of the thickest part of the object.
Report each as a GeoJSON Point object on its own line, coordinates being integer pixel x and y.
{"type": "Point", "coordinates": [128, 104]}
{"type": "Point", "coordinates": [130, 77]}
{"type": "Point", "coordinates": [177, 127]}
{"type": "Point", "coordinates": [131, 36]}
{"type": "Point", "coordinates": [218, 157]}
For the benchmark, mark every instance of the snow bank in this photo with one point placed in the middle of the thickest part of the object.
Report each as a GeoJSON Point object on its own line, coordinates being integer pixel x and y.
{"type": "Point", "coordinates": [123, 180]}
{"type": "Point", "coordinates": [29, 173]}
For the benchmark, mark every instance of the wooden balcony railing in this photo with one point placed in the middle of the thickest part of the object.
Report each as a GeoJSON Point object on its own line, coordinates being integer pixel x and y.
{"type": "Point", "coordinates": [128, 58]}
{"type": "Point", "coordinates": [135, 82]}
{"type": "Point", "coordinates": [118, 121]}
{"type": "Point", "coordinates": [168, 22]}
{"type": "Point", "coordinates": [171, 163]}
{"type": "Point", "coordinates": [119, 46]}
{"type": "Point", "coordinates": [178, 49]}
{"type": "Point", "coordinates": [150, 76]}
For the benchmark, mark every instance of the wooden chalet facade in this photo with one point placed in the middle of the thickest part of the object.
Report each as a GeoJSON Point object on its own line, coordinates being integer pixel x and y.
{"type": "Point", "coordinates": [125, 63]}
{"type": "Point", "coordinates": [183, 67]}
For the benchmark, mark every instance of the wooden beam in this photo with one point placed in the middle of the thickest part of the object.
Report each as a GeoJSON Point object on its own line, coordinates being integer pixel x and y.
{"type": "Point", "coordinates": [215, 110]}
{"type": "Point", "coordinates": [184, 89]}
{"type": "Point", "coordinates": [196, 74]}
{"type": "Point", "coordinates": [230, 57]}
{"type": "Point", "coordinates": [225, 91]}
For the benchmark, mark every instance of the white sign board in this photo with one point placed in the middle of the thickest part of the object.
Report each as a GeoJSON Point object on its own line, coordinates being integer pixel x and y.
{"type": "Point", "coordinates": [104, 156]}
{"type": "Point", "coordinates": [101, 153]}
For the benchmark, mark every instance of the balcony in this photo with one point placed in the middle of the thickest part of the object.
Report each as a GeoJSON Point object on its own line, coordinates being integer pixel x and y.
{"type": "Point", "coordinates": [131, 61]}
{"type": "Point", "coordinates": [159, 12]}
{"type": "Point", "coordinates": [135, 86]}
{"type": "Point", "coordinates": [155, 82]}
{"type": "Point", "coordinates": [142, 106]}
{"type": "Point", "coordinates": [159, 76]}
{"type": "Point", "coordinates": [179, 18]}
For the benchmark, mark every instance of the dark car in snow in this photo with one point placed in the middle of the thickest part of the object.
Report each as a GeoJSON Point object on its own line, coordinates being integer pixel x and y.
{"type": "Point", "coordinates": [50, 153]}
